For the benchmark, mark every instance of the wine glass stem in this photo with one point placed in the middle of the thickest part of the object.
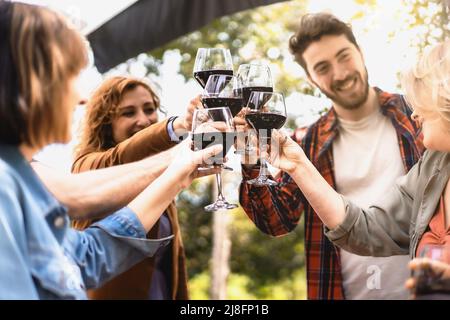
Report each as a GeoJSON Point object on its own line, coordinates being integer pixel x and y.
{"type": "Point", "coordinates": [219, 186]}
{"type": "Point", "coordinates": [263, 171]}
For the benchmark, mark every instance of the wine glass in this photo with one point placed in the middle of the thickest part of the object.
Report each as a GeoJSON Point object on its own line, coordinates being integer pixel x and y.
{"type": "Point", "coordinates": [222, 90]}
{"type": "Point", "coordinates": [254, 77]}
{"type": "Point", "coordinates": [214, 126]}
{"type": "Point", "coordinates": [428, 282]}
{"type": "Point", "coordinates": [209, 61]}
{"type": "Point", "coordinates": [265, 111]}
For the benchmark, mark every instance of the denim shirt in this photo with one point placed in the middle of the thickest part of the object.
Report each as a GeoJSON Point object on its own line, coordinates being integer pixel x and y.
{"type": "Point", "coordinates": [41, 256]}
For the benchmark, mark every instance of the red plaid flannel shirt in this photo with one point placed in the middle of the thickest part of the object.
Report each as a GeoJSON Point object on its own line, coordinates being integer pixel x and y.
{"type": "Point", "coordinates": [277, 210]}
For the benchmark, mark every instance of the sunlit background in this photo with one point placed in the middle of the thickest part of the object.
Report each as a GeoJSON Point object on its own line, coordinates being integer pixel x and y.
{"type": "Point", "coordinates": [390, 34]}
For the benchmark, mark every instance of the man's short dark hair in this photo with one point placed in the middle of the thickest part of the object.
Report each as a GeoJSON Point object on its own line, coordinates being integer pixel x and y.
{"type": "Point", "coordinates": [312, 28]}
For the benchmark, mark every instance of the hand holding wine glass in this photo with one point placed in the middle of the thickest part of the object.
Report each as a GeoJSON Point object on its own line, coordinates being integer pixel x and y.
{"type": "Point", "coordinates": [266, 111]}
{"type": "Point", "coordinates": [285, 153]}
{"type": "Point", "coordinates": [254, 77]}
{"type": "Point", "coordinates": [184, 165]}
{"type": "Point", "coordinates": [214, 126]}
{"type": "Point", "coordinates": [430, 272]}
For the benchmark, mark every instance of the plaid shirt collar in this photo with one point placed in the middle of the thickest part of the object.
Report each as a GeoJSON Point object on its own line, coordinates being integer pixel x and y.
{"type": "Point", "coordinates": [328, 125]}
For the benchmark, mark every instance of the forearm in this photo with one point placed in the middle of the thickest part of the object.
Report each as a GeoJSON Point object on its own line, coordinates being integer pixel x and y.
{"type": "Point", "coordinates": [147, 142]}
{"type": "Point", "coordinates": [151, 203]}
{"type": "Point", "coordinates": [115, 187]}
{"type": "Point", "coordinates": [93, 194]}
{"type": "Point", "coordinates": [325, 201]}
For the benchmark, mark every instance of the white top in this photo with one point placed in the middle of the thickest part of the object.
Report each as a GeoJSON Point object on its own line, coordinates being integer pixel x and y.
{"type": "Point", "coordinates": [367, 162]}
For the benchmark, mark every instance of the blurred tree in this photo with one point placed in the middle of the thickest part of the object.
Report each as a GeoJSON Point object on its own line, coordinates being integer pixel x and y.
{"type": "Point", "coordinates": [256, 34]}
{"type": "Point", "coordinates": [264, 259]}
{"type": "Point", "coordinates": [195, 225]}
{"type": "Point", "coordinates": [429, 19]}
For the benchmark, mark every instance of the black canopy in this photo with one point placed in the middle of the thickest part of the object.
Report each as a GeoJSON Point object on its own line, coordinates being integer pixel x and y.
{"type": "Point", "coordinates": [148, 24]}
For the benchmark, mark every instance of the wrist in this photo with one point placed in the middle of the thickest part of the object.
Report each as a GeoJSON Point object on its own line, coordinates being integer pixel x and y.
{"type": "Point", "coordinates": [155, 166]}
{"type": "Point", "coordinates": [175, 176]}
{"type": "Point", "coordinates": [178, 124]}
{"type": "Point", "coordinates": [178, 131]}
{"type": "Point", "coordinates": [299, 167]}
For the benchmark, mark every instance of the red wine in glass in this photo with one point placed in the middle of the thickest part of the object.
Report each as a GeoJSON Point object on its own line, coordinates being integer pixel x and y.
{"type": "Point", "coordinates": [267, 121]}
{"type": "Point", "coordinates": [203, 76]}
{"type": "Point", "coordinates": [235, 104]}
{"type": "Point", "coordinates": [246, 91]}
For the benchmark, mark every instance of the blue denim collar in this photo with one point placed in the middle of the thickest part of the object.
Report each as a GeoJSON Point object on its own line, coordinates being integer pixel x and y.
{"type": "Point", "coordinates": [12, 156]}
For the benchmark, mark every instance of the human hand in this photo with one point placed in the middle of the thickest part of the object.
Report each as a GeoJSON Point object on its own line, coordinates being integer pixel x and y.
{"type": "Point", "coordinates": [184, 124]}
{"type": "Point", "coordinates": [186, 162]}
{"type": "Point", "coordinates": [437, 272]}
{"type": "Point", "coordinates": [285, 153]}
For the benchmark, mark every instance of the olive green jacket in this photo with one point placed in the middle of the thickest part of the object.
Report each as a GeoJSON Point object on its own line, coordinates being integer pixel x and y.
{"type": "Point", "coordinates": [395, 224]}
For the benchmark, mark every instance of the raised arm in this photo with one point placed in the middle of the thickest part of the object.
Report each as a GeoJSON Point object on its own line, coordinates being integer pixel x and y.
{"type": "Point", "coordinates": [146, 142]}
{"type": "Point", "coordinates": [123, 234]}
{"type": "Point", "coordinates": [382, 230]}
{"type": "Point", "coordinates": [92, 194]}
{"type": "Point", "coordinates": [149, 141]}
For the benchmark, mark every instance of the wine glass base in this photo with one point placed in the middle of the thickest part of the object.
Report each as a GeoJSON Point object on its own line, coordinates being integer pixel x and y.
{"type": "Point", "coordinates": [220, 205]}
{"type": "Point", "coordinates": [262, 181]}
{"type": "Point", "coordinates": [205, 168]}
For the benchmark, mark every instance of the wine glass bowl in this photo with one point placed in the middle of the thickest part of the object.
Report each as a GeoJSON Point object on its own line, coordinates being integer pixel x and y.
{"type": "Point", "coordinates": [223, 90]}
{"type": "Point", "coordinates": [254, 77]}
{"type": "Point", "coordinates": [209, 61]}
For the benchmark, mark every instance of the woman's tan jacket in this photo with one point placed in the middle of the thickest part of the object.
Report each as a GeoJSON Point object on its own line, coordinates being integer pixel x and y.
{"type": "Point", "coordinates": [135, 283]}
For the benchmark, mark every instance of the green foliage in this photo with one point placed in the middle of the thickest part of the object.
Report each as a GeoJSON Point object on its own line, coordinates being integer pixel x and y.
{"type": "Point", "coordinates": [264, 258]}
{"type": "Point", "coordinates": [195, 225]}
{"type": "Point", "coordinates": [262, 267]}
{"type": "Point", "coordinates": [365, 6]}
{"type": "Point", "coordinates": [430, 20]}
{"type": "Point", "coordinates": [199, 286]}
{"type": "Point", "coordinates": [241, 286]}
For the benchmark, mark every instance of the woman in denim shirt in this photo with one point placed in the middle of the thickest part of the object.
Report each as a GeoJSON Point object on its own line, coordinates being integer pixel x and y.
{"type": "Point", "coordinates": [41, 257]}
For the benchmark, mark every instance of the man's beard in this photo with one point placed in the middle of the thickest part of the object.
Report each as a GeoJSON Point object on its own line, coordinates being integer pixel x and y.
{"type": "Point", "coordinates": [356, 100]}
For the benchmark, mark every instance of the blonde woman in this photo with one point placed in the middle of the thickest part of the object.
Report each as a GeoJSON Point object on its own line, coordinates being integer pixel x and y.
{"type": "Point", "coordinates": [41, 256]}
{"type": "Point", "coordinates": [416, 211]}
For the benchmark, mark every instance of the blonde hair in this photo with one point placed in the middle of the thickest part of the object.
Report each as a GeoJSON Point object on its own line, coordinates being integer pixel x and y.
{"type": "Point", "coordinates": [96, 134]}
{"type": "Point", "coordinates": [427, 84]}
{"type": "Point", "coordinates": [43, 53]}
